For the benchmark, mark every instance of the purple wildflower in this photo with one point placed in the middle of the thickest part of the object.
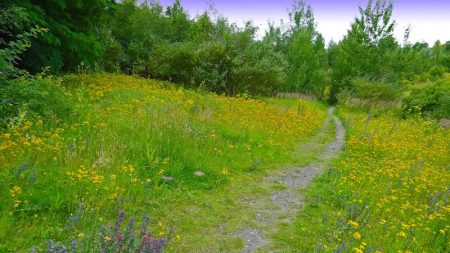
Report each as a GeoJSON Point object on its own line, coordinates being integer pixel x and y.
{"type": "Point", "coordinates": [131, 222]}
{"type": "Point", "coordinates": [21, 167]}
{"type": "Point", "coordinates": [121, 216]}
{"type": "Point", "coordinates": [75, 218]}
{"type": "Point", "coordinates": [73, 246]}
{"type": "Point", "coordinates": [33, 175]}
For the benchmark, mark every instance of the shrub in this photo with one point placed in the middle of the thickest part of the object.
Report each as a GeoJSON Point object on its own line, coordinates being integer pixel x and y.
{"type": "Point", "coordinates": [376, 91]}
{"type": "Point", "coordinates": [175, 61]}
{"type": "Point", "coordinates": [365, 92]}
{"type": "Point", "coordinates": [257, 70]}
{"type": "Point", "coordinates": [431, 101]}
{"type": "Point", "coordinates": [437, 72]}
{"type": "Point", "coordinates": [344, 96]}
{"type": "Point", "coordinates": [213, 66]}
{"type": "Point", "coordinates": [36, 97]}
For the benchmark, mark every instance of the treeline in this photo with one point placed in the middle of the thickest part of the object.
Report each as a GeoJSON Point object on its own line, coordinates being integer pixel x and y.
{"type": "Point", "coordinates": [210, 52]}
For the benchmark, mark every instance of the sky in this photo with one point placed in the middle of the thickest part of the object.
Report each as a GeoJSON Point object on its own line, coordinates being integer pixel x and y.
{"type": "Point", "coordinates": [429, 19]}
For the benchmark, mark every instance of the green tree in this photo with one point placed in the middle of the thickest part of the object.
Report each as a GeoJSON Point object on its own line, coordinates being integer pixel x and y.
{"type": "Point", "coordinates": [367, 48]}
{"type": "Point", "coordinates": [13, 43]}
{"type": "Point", "coordinates": [375, 25]}
{"type": "Point", "coordinates": [305, 52]}
{"type": "Point", "coordinates": [178, 22]}
{"type": "Point", "coordinates": [446, 58]}
{"type": "Point", "coordinates": [70, 38]}
{"type": "Point", "coordinates": [257, 67]}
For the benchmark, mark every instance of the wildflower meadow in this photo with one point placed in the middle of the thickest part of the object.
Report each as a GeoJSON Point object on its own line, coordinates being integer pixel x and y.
{"type": "Point", "coordinates": [132, 141]}
{"type": "Point", "coordinates": [179, 126]}
{"type": "Point", "coordinates": [389, 192]}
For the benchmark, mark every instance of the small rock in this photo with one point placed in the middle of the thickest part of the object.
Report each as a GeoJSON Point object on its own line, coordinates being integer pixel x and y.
{"type": "Point", "coordinates": [167, 178]}
{"type": "Point", "coordinates": [199, 173]}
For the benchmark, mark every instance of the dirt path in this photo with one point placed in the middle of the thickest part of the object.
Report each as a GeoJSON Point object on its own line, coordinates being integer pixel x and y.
{"type": "Point", "coordinates": [283, 203]}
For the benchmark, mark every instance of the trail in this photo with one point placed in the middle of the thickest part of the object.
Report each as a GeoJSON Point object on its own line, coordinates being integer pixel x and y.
{"type": "Point", "coordinates": [282, 205]}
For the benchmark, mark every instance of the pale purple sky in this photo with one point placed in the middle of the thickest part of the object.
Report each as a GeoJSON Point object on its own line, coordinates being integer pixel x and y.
{"type": "Point", "coordinates": [429, 19]}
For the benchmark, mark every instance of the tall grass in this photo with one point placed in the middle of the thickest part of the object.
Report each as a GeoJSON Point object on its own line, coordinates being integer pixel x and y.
{"type": "Point", "coordinates": [388, 193]}
{"type": "Point", "coordinates": [126, 145]}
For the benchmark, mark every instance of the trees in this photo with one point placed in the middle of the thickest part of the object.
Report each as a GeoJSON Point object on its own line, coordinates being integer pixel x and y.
{"type": "Point", "coordinates": [375, 25]}
{"type": "Point", "coordinates": [70, 38]}
{"type": "Point", "coordinates": [144, 38]}
{"type": "Point", "coordinates": [178, 22]}
{"type": "Point", "coordinates": [256, 67]}
{"type": "Point", "coordinates": [367, 48]}
{"type": "Point", "coordinates": [304, 49]}
{"type": "Point", "coordinates": [15, 39]}
{"type": "Point", "coordinates": [169, 45]}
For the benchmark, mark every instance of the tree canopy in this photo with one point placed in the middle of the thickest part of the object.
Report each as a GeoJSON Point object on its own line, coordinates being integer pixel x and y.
{"type": "Point", "coordinates": [207, 50]}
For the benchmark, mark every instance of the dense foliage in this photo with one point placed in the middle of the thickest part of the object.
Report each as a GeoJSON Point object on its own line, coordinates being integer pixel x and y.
{"type": "Point", "coordinates": [209, 52]}
{"type": "Point", "coordinates": [34, 98]}
{"type": "Point", "coordinates": [70, 38]}
{"type": "Point", "coordinates": [206, 52]}
{"type": "Point", "coordinates": [431, 101]}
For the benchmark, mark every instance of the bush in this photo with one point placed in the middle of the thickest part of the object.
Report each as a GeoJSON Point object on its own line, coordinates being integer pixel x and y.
{"type": "Point", "coordinates": [213, 66]}
{"type": "Point", "coordinates": [437, 72]}
{"type": "Point", "coordinates": [431, 101]}
{"type": "Point", "coordinates": [36, 97]}
{"type": "Point", "coordinates": [376, 91]}
{"type": "Point", "coordinates": [175, 61]}
{"type": "Point", "coordinates": [257, 70]}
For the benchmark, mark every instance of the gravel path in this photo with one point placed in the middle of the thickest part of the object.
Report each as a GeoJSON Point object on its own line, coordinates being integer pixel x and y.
{"type": "Point", "coordinates": [283, 204]}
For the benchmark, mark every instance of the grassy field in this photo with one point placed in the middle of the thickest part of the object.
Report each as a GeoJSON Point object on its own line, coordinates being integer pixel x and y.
{"type": "Point", "coordinates": [126, 147]}
{"type": "Point", "coordinates": [139, 126]}
{"type": "Point", "coordinates": [135, 145]}
{"type": "Point", "coordinates": [389, 192]}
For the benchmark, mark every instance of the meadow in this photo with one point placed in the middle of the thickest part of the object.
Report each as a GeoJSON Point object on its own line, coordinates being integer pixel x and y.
{"type": "Point", "coordinates": [126, 162]}
{"type": "Point", "coordinates": [135, 126]}
{"type": "Point", "coordinates": [143, 147]}
{"type": "Point", "coordinates": [388, 192]}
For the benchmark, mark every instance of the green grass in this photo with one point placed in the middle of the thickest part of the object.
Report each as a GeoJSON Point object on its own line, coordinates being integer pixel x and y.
{"type": "Point", "coordinates": [387, 191]}
{"type": "Point", "coordinates": [119, 138]}
{"type": "Point", "coordinates": [123, 136]}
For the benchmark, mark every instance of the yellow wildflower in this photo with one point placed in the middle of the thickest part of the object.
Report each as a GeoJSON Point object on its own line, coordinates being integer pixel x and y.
{"type": "Point", "coordinates": [353, 223]}
{"type": "Point", "coordinates": [401, 234]}
{"type": "Point", "coordinates": [225, 171]}
{"type": "Point", "coordinates": [17, 203]}
{"type": "Point", "coordinates": [358, 250]}
{"type": "Point", "coordinates": [16, 190]}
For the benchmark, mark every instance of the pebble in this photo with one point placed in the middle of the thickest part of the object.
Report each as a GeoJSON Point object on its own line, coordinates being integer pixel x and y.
{"type": "Point", "coordinates": [167, 178]}
{"type": "Point", "coordinates": [199, 173]}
